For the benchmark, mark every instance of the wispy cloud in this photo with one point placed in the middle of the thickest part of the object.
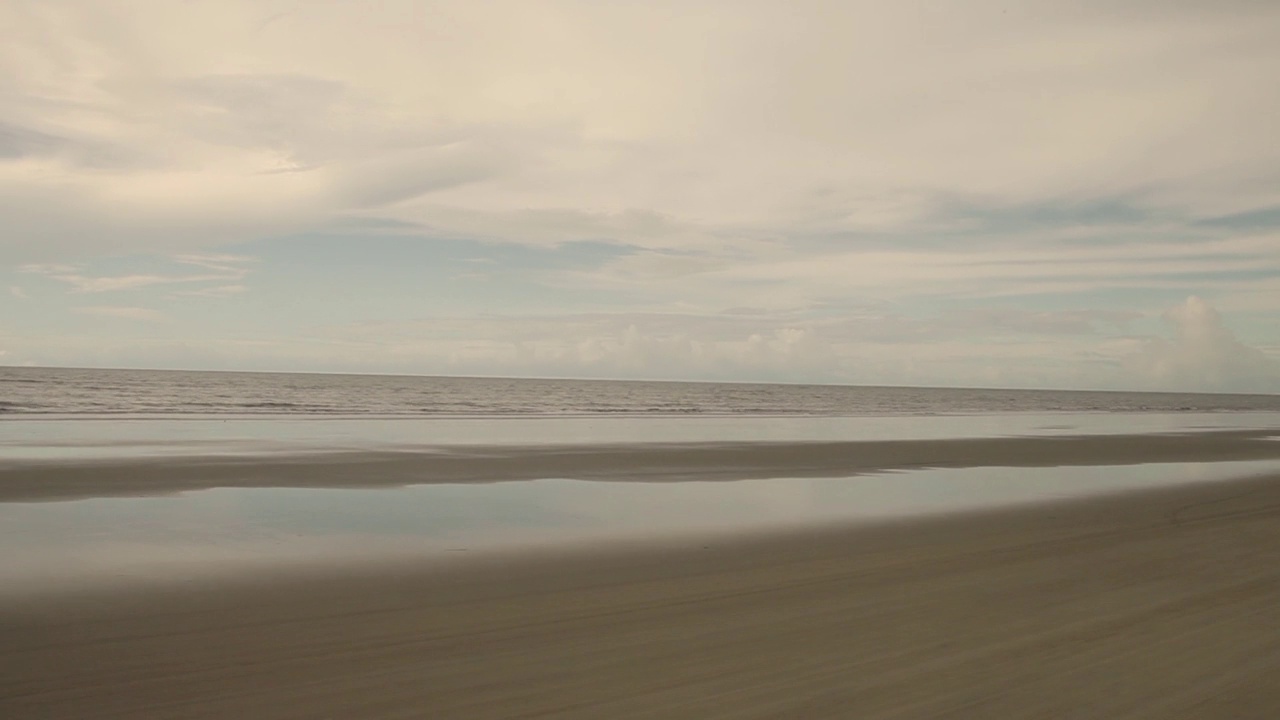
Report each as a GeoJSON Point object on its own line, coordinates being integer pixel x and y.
{"type": "Point", "coordinates": [899, 192]}
{"type": "Point", "coordinates": [123, 312]}
{"type": "Point", "coordinates": [221, 269]}
{"type": "Point", "coordinates": [215, 291]}
{"type": "Point", "coordinates": [797, 275]}
{"type": "Point", "coordinates": [778, 117]}
{"type": "Point", "coordinates": [231, 265]}
{"type": "Point", "coordinates": [18, 292]}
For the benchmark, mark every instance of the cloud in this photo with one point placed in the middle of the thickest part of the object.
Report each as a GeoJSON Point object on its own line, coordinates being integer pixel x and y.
{"type": "Point", "coordinates": [1203, 354]}
{"type": "Point", "coordinates": [215, 291]}
{"type": "Point", "coordinates": [17, 142]}
{"type": "Point", "coordinates": [232, 265]}
{"type": "Point", "coordinates": [18, 292]}
{"type": "Point", "coordinates": [560, 123]}
{"type": "Point", "coordinates": [897, 192]}
{"type": "Point", "coordinates": [858, 345]}
{"type": "Point", "coordinates": [123, 312]}
{"type": "Point", "coordinates": [222, 268]}
{"type": "Point", "coordinates": [1085, 348]}
{"type": "Point", "coordinates": [787, 275]}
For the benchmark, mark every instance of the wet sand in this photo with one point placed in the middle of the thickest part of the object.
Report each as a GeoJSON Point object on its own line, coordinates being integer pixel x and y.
{"type": "Point", "coordinates": [1159, 604]}
{"type": "Point", "coordinates": [651, 462]}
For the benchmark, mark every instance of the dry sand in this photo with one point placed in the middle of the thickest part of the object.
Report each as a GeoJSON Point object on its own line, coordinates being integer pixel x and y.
{"type": "Point", "coordinates": [1152, 605]}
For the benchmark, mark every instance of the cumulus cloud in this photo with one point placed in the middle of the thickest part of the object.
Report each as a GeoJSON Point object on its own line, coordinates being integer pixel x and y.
{"type": "Point", "coordinates": [641, 345]}
{"type": "Point", "coordinates": [1203, 354]}
{"type": "Point", "coordinates": [868, 345]}
{"type": "Point", "coordinates": [1011, 348]}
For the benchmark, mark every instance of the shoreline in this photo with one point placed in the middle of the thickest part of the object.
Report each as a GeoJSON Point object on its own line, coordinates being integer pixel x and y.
{"type": "Point", "coordinates": [47, 480]}
{"type": "Point", "coordinates": [1150, 603]}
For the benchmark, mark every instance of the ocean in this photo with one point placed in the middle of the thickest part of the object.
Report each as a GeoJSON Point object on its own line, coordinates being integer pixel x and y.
{"type": "Point", "coordinates": [84, 392]}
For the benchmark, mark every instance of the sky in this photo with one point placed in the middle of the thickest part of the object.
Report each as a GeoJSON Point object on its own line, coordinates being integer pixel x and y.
{"type": "Point", "coordinates": [1067, 194]}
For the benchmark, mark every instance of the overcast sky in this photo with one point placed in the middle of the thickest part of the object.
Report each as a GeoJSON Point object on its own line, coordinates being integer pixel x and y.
{"type": "Point", "coordinates": [1082, 193]}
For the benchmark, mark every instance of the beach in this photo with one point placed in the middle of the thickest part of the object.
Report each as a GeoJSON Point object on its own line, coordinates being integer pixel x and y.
{"type": "Point", "coordinates": [271, 547]}
{"type": "Point", "coordinates": [651, 462]}
{"type": "Point", "coordinates": [639, 361]}
{"type": "Point", "coordinates": [1151, 604]}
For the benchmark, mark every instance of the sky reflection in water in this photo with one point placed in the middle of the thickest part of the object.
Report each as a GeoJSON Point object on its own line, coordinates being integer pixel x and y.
{"type": "Point", "coordinates": [44, 545]}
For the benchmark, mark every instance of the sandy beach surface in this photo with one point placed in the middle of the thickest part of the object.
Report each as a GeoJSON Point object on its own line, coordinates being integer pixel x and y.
{"type": "Point", "coordinates": [62, 479]}
{"type": "Point", "coordinates": [1158, 604]}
